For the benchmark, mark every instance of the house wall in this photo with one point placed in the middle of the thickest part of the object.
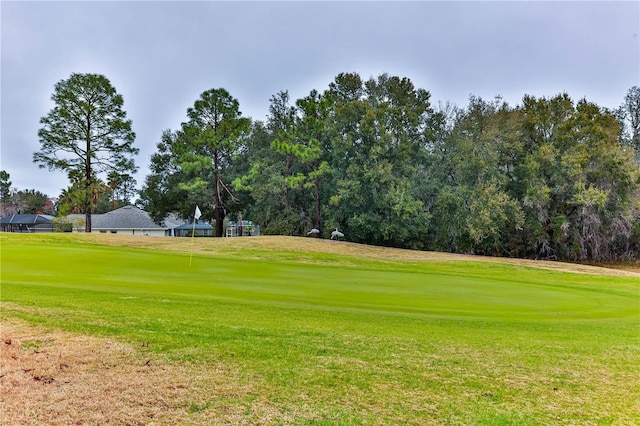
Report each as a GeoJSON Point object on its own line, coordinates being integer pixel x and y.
{"type": "Point", "coordinates": [151, 232]}
{"type": "Point", "coordinates": [145, 232]}
{"type": "Point", "coordinates": [42, 228]}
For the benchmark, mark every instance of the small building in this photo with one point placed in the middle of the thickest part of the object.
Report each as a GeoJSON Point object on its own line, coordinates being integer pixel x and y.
{"type": "Point", "coordinates": [27, 223]}
{"type": "Point", "coordinates": [200, 229]}
{"type": "Point", "coordinates": [248, 229]}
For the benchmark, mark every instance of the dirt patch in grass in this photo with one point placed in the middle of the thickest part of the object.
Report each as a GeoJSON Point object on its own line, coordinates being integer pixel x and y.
{"type": "Point", "coordinates": [51, 377]}
{"type": "Point", "coordinates": [219, 246]}
{"type": "Point", "coordinates": [630, 266]}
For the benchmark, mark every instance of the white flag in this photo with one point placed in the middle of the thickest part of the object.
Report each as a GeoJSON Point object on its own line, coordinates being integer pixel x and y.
{"type": "Point", "coordinates": [197, 214]}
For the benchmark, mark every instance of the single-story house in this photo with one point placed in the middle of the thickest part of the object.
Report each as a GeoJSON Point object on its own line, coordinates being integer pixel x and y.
{"type": "Point", "coordinates": [129, 220]}
{"type": "Point", "coordinates": [27, 223]}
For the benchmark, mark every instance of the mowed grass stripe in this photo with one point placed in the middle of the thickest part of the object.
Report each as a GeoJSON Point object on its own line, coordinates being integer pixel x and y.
{"type": "Point", "coordinates": [465, 289]}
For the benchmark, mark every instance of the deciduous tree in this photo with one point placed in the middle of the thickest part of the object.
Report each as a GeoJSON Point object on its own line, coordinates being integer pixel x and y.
{"type": "Point", "coordinates": [629, 114]}
{"type": "Point", "coordinates": [381, 137]}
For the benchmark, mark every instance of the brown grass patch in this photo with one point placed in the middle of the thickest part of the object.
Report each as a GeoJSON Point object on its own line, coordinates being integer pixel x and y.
{"type": "Point", "coordinates": [57, 378]}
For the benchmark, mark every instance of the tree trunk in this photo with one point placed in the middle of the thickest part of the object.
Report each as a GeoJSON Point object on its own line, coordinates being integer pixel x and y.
{"type": "Point", "coordinates": [88, 182]}
{"type": "Point", "coordinates": [219, 217]}
{"type": "Point", "coordinates": [318, 214]}
{"type": "Point", "coordinates": [219, 213]}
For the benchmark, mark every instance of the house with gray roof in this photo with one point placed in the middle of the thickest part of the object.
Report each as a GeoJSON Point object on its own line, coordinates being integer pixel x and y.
{"type": "Point", "coordinates": [27, 223]}
{"type": "Point", "coordinates": [130, 220]}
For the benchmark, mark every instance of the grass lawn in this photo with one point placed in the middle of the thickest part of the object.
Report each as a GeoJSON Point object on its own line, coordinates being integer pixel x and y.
{"type": "Point", "coordinates": [302, 331]}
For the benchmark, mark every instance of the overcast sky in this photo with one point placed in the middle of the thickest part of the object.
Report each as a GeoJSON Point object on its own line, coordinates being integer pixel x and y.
{"type": "Point", "coordinates": [162, 55]}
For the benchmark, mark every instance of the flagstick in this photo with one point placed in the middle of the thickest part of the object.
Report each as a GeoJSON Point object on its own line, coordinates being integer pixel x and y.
{"type": "Point", "coordinates": [193, 234]}
{"type": "Point", "coordinates": [196, 216]}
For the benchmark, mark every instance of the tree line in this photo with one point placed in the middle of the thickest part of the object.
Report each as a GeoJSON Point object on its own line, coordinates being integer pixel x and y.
{"type": "Point", "coordinates": [550, 178]}
{"type": "Point", "coordinates": [15, 201]}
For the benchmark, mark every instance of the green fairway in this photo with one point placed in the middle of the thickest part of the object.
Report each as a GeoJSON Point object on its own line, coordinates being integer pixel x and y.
{"type": "Point", "coordinates": [327, 339]}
